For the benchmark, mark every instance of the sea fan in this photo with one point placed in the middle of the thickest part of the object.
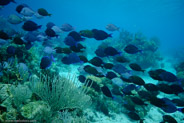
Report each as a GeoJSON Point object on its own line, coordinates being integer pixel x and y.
{"type": "Point", "coordinates": [60, 92]}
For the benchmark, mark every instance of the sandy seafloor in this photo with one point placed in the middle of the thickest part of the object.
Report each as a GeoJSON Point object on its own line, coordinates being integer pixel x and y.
{"type": "Point", "coordinates": [153, 116]}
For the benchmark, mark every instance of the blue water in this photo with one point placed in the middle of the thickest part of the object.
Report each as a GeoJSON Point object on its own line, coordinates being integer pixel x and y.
{"type": "Point", "coordinates": [161, 18]}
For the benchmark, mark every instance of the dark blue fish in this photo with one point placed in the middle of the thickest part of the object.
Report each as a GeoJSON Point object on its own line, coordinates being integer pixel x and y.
{"type": "Point", "coordinates": [128, 89]}
{"type": "Point", "coordinates": [91, 70]}
{"type": "Point", "coordinates": [111, 51]}
{"type": "Point", "coordinates": [137, 101]}
{"type": "Point", "coordinates": [18, 40]}
{"type": "Point", "coordinates": [11, 50]}
{"type": "Point", "coordinates": [151, 87]}
{"type": "Point", "coordinates": [50, 25]}
{"type": "Point", "coordinates": [178, 102]}
{"type": "Point", "coordinates": [168, 77]}
{"type": "Point", "coordinates": [181, 110]}
{"type": "Point", "coordinates": [177, 89]}
{"type": "Point", "coordinates": [108, 65]}
{"type": "Point", "coordinates": [31, 37]}
{"type": "Point", "coordinates": [50, 32]}
{"type": "Point", "coordinates": [168, 106]}
{"type": "Point", "coordinates": [134, 116]}
{"type": "Point", "coordinates": [136, 67]}
{"type": "Point", "coordinates": [100, 34]}
{"type": "Point", "coordinates": [71, 59]}
{"type": "Point", "coordinates": [82, 78]}
{"type": "Point", "coordinates": [78, 48]}
{"type": "Point", "coordinates": [106, 91]}
{"type": "Point", "coordinates": [119, 68]}
{"type": "Point", "coordinates": [168, 119]}
{"type": "Point", "coordinates": [28, 45]}
{"type": "Point", "coordinates": [83, 58]}
{"type": "Point", "coordinates": [137, 80]}
{"type": "Point", "coordinates": [46, 62]}
{"type": "Point", "coordinates": [100, 52]}
{"type": "Point", "coordinates": [70, 41]}
{"type": "Point", "coordinates": [30, 26]}
{"type": "Point", "coordinates": [76, 36]}
{"type": "Point", "coordinates": [111, 75]}
{"type": "Point", "coordinates": [4, 35]}
{"type": "Point", "coordinates": [6, 2]}
{"type": "Point", "coordinates": [20, 8]}
{"type": "Point", "coordinates": [131, 49]}
{"type": "Point", "coordinates": [96, 61]}
{"type": "Point", "coordinates": [155, 74]}
{"type": "Point", "coordinates": [165, 88]}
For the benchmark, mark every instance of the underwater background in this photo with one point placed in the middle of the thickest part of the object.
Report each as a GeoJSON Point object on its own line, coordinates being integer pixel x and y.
{"type": "Point", "coordinates": [163, 19]}
{"type": "Point", "coordinates": [75, 61]}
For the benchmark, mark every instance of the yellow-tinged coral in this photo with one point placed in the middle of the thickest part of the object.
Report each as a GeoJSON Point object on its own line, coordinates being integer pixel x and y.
{"type": "Point", "coordinates": [95, 79]}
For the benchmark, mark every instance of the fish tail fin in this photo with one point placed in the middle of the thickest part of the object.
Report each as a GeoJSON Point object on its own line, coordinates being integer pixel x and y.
{"type": "Point", "coordinates": [82, 39]}
{"type": "Point", "coordinates": [57, 36]}
{"type": "Point", "coordinates": [180, 109]}
{"type": "Point", "coordinates": [49, 15]}
{"type": "Point", "coordinates": [39, 26]}
{"type": "Point", "coordinates": [180, 81]}
{"type": "Point", "coordinates": [143, 71]}
{"type": "Point", "coordinates": [52, 58]}
{"type": "Point", "coordinates": [120, 53]}
{"type": "Point", "coordinates": [110, 35]}
{"type": "Point", "coordinates": [141, 51]}
{"type": "Point", "coordinates": [13, 1]}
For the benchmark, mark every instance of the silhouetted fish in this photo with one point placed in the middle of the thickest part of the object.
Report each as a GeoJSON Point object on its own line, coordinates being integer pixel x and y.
{"type": "Point", "coordinates": [178, 102]}
{"type": "Point", "coordinates": [50, 32]}
{"type": "Point", "coordinates": [168, 119]}
{"type": "Point", "coordinates": [6, 2]}
{"type": "Point", "coordinates": [100, 34]}
{"type": "Point", "coordinates": [106, 91]}
{"type": "Point", "coordinates": [108, 65]}
{"type": "Point", "coordinates": [76, 36]}
{"type": "Point", "coordinates": [111, 51]}
{"type": "Point", "coordinates": [4, 35]}
{"type": "Point", "coordinates": [46, 62]}
{"type": "Point", "coordinates": [96, 61]}
{"type": "Point", "coordinates": [121, 59]}
{"type": "Point", "coordinates": [137, 80]}
{"type": "Point", "coordinates": [30, 26]}
{"type": "Point", "coordinates": [137, 101]}
{"type": "Point", "coordinates": [100, 52]}
{"type": "Point", "coordinates": [11, 50]}
{"type": "Point", "coordinates": [136, 67]}
{"type": "Point", "coordinates": [43, 12]}
{"type": "Point", "coordinates": [155, 74]}
{"type": "Point", "coordinates": [134, 116]}
{"type": "Point", "coordinates": [168, 76]}
{"type": "Point", "coordinates": [131, 49]}
{"type": "Point", "coordinates": [151, 87]}
{"type": "Point", "coordinates": [110, 75]}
